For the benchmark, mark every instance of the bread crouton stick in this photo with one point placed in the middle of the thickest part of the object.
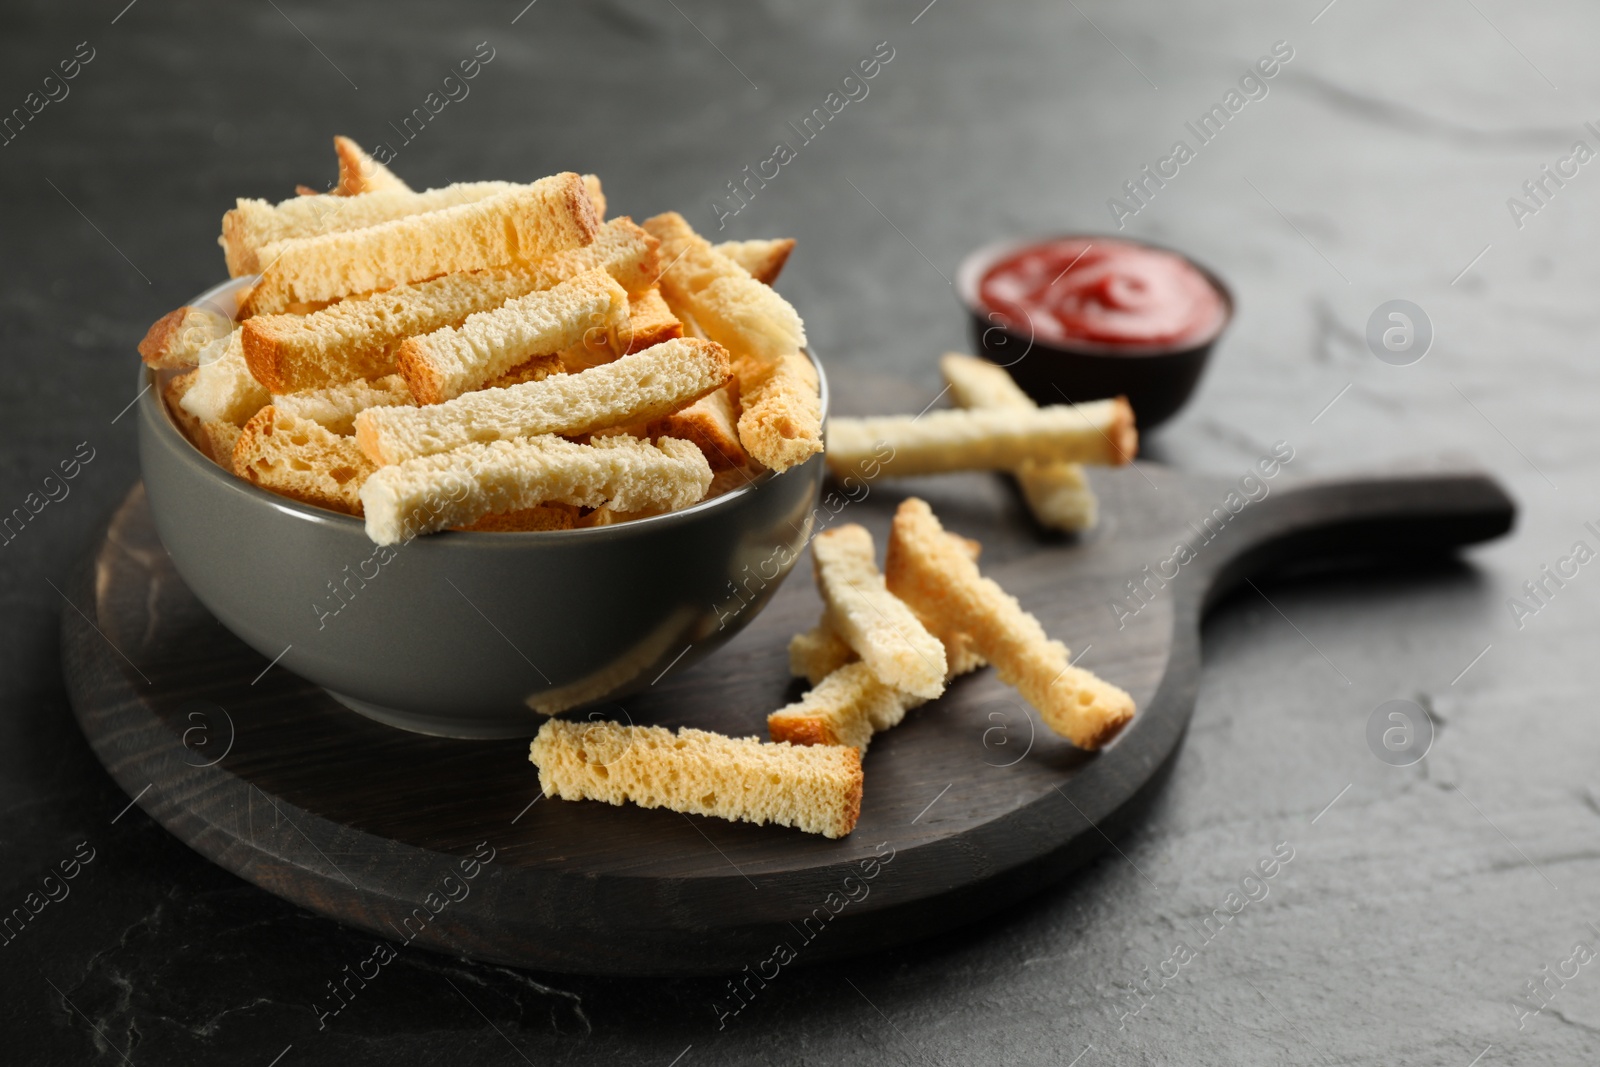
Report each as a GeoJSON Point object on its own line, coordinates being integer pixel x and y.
{"type": "Point", "coordinates": [458, 488]}
{"type": "Point", "coordinates": [300, 459]}
{"type": "Point", "coordinates": [336, 407]}
{"type": "Point", "coordinates": [358, 337]}
{"type": "Point", "coordinates": [733, 308]}
{"type": "Point", "coordinates": [636, 388]}
{"type": "Point", "coordinates": [815, 789]}
{"type": "Point", "coordinates": [878, 626]}
{"type": "Point", "coordinates": [453, 360]}
{"type": "Point", "coordinates": [211, 436]}
{"type": "Point", "coordinates": [781, 425]}
{"type": "Point", "coordinates": [1057, 494]}
{"type": "Point", "coordinates": [846, 707]}
{"type": "Point", "coordinates": [764, 259]}
{"type": "Point", "coordinates": [818, 652]}
{"type": "Point", "coordinates": [254, 224]}
{"type": "Point", "coordinates": [551, 215]}
{"type": "Point", "coordinates": [650, 321]}
{"type": "Point", "coordinates": [926, 570]}
{"type": "Point", "coordinates": [712, 423]}
{"type": "Point", "coordinates": [847, 704]}
{"type": "Point", "coordinates": [177, 338]}
{"type": "Point", "coordinates": [936, 442]}
{"type": "Point", "coordinates": [224, 390]}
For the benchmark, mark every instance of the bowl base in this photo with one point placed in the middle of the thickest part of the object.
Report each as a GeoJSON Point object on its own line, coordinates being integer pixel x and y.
{"type": "Point", "coordinates": [499, 728]}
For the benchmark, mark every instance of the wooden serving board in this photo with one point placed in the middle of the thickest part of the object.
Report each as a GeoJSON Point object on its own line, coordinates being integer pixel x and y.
{"type": "Point", "coordinates": [969, 805]}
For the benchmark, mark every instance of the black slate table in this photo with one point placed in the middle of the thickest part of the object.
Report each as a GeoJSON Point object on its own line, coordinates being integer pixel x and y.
{"type": "Point", "coordinates": [1385, 160]}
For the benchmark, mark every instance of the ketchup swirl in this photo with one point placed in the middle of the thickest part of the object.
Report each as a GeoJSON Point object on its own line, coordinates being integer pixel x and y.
{"type": "Point", "coordinates": [1105, 292]}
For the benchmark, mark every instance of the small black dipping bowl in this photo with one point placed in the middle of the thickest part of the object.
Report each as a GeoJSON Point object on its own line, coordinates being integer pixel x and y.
{"type": "Point", "coordinates": [1157, 380]}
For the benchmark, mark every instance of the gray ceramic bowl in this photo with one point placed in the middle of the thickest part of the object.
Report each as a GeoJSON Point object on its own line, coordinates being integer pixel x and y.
{"type": "Point", "coordinates": [461, 634]}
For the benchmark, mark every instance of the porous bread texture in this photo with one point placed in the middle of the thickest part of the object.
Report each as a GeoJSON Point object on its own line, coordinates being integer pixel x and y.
{"type": "Point", "coordinates": [731, 307]}
{"type": "Point", "coordinates": [1100, 432]}
{"type": "Point", "coordinates": [224, 390]}
{"type": "Point", "coordinates": [597, 196]}
{"type": "Point", "coordinates": [552, 215]}
{"type": "Point", "coordinates": [177, 338]}
{"type": "Point", "coordinates": [881, 629]}
{"type": "Point", "coordinates": [926, 570]}
{"type": "Point", "coordinates": [297, 458]}
{"type": "Point", "coordinates": [453, 360]}
{"type": "Point", "coordinates": [636, 388]}
{"type": "Point", "coordinates": [536, 369]}
{"type": "Point", "coordinates": [846, 707]}
{"type": "Point", "coordinates": [814, 789]}
{"type": "Point", "coordinates": [763, 258]}
{"type": "Point", "coordinates": [526, 520]}
{"type": "Point", "coordinates": [461, 486]}
{"type": "Point", "coordinates": [357, 337]}
{"type": "Point", "coordinates": [335, 407]}
{"type": "Point", "coordinates": [359, 173]}
{"type": "Point", "coordinates": [780, 423]}
{"type": "Point", "coordinates": [621, 248]}
{"type": "Point", "coordinates": [214, 439]}
{"type": "Point", "coordinates": [961, 652]}
{"type": "Point", "coordinates": [254, 224]}
{"type": "Point", "coordinates": [712, 423]}
{"type": "Point", "coordinates": [847, 703]}
{"type": "Point", "coordinates": [1058, 494]}
{"type": "Point", "coordinates": [818, 652]}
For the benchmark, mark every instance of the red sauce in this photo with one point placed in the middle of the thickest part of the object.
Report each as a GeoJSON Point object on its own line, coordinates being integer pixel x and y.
{"type": "Point", "coordinates": [1105, 292]}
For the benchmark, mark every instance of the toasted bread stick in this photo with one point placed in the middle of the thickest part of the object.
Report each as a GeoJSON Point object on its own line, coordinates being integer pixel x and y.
{"type": "Point", "coordinates": [712, 423]}
{"type": "Point", "coordinates": [733, 308]}
{"type": "Point", "coordinates": [536, 369]}
{"type": "Point", "coordinates": [453, 360]}
{"type": "Point", "coordinates": [818, 652]}
{"type": "Point", "coordinates": [550, 216]}
{"type": "Point", "coordinates": [254, 224]}
{"type": "Point", "coordinates": [935, 442]}
{"type": "Point", "coordinates": [358, 337]}
{"type": "Point", "coordinates": [781, 424]}
{"type": "Point", "coordinates": [926, 570]}
{"type": "Point", "coordinates": [780, 418]}
{"type": "Point", "coordinates": [224, 389]}
{"type": "Point", "coordinates": [335, 408]}
{"type": "Point", "coordinates": [298, 458]}
{"type": "Point", "coordinates": [815, 789]}
{"type": "Point", "coordinates": [846, 707]}
{"type": "Point", "coordinates": [459, 487]}
{"type": "Point", "coordinates": [215, 439]}
{"type": "Point", "coordinates": [178, 337]}
{"type": "Point", "coordinates": [649, 323]}
{"type": "Point", "coordinates": [764, 259]}
{"type": "Point", "coordinates": [636, 388]}
{"type": "Point", "coordinates": [877, 625]}
{"type": "Point", "coordinates": [1057, 494]}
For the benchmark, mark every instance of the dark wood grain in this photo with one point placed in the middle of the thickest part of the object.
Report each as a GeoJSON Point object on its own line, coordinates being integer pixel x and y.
{"type": "Point", "coordinates": [269, 777]}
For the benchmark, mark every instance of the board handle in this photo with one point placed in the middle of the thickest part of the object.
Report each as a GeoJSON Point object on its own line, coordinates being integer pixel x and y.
{"type": "Point", "coordinates": [1353, 519]}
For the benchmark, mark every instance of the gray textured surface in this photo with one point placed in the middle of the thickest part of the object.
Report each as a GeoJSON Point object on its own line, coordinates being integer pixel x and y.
{"type": "Point", "coordinates": [1415, 907]}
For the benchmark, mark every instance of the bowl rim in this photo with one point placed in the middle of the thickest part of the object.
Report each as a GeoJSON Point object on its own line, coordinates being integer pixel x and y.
{"type": "Point", "coordinates": [975, 264]}
{"type": "Point", "coordinates": [153, 408]}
